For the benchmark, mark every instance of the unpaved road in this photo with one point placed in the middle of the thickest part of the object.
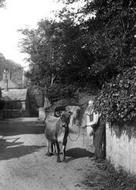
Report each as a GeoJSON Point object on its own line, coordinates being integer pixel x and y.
{"type": "Point", "coordinates": [24, 165]}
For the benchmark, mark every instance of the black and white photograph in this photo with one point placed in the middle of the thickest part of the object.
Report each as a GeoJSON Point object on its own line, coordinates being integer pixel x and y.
{"type": "Point", "coordinates": [67, 95]}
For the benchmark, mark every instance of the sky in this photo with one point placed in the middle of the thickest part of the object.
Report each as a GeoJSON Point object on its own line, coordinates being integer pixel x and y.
{"type": "Point", "coordinates": [19, 14]}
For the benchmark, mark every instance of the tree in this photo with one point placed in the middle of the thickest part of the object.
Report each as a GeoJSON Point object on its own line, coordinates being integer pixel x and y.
{"type": "Point", "coordinates": [57, 54]}
{"type": "Point", "coordinates": [94, 45]}
{"type": "Point", "coordinates": [110, 30]}
{"type": "Point", "coordinates": [2, 3]}
{"type": "Point", "coordinates": [15, 69]}
{"type": "Point", "coordinates": [112, 41]}
{"type": "Point", "coordinates": [40, 44]}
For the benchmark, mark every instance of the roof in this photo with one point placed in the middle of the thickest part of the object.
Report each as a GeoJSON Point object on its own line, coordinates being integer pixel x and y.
{"type": "Point", "coordinates": [14, 94]}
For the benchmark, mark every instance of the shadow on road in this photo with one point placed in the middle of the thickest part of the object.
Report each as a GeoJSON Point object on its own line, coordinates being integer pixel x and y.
{"type": "Point", "coordinates": [75, 153]}
{"type": "Point", "coordinates": [13, 149]}
{"type": "Point", "coordinates": [23, 129]}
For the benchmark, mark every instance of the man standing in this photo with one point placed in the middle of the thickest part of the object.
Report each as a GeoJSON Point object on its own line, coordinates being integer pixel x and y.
{"type": "Point", "coordinates": [96, 127]}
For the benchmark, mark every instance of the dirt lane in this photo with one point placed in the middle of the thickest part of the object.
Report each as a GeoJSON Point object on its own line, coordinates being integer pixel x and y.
{"type": "Point", "coordinates": [24, 165]}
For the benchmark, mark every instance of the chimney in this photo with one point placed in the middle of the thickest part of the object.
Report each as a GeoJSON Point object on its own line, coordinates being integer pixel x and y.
{"type": "Point", "coordinates": [6, 85]}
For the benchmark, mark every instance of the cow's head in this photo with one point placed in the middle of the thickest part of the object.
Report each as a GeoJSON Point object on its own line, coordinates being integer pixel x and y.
{"type": "Point", "coordinates": [65, 118]}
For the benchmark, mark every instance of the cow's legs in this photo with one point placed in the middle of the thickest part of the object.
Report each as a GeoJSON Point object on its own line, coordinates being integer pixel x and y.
{"type": "Point", "coordinates": [52, 147]}
{"type": "Point", "coordinates": [58, 152]}
{"type": "Point", "coordinates": [65, 142]}
{"type": "Point", "coordinates": [64, 151]}
{"type": "Point", "coordinates": [49, 145]}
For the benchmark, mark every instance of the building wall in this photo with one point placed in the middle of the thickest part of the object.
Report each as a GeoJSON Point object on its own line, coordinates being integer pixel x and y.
{"type": "Point", "coordinates": [121, 148]}
{"type": "Point", "coordinates": [14, 109]}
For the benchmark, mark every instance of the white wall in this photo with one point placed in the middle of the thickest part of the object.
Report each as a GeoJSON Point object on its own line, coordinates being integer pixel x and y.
{"type": "Point", "coordinates": [121, 151]}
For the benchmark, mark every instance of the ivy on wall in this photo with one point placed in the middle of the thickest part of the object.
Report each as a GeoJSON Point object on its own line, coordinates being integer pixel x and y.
{"type": "Point", "coordinates": [117, 99]}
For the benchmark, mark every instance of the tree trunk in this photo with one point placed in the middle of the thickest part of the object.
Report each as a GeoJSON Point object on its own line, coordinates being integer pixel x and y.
{"type": "Point", "coordinates": [52, 79]}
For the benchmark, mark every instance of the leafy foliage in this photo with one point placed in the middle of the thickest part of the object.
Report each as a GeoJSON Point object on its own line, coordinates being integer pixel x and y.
{"type": "Point", "coordinates": [111, 38]}
{"type": "Point", "coordinates": [2, 3]}
{"type": "Point", "coordinates": [110, 35]}
{"type": "Point", "coordinates": [117, 100]}
{"type": "Point", "coordinates": [57, 55]}
{"type": "Point", "coordinates": [15, 69]}
{"type": "Point", "coordinates": [94, 45]}
{"type": "Point", "coordinates": [58, 91]}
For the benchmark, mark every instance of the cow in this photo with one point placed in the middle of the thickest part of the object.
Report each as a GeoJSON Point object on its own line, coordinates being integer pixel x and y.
{"type": "Point", "coordinates": [56, 133]}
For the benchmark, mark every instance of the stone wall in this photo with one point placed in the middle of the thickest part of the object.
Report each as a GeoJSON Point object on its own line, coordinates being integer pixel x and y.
{"type": "Point", "coordinates": [121, 148]}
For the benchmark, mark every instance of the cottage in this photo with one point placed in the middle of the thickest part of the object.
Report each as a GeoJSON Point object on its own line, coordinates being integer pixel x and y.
{"type": "Point", "coordinates": [15, 103]}
{"type": "Point", "coordinates": [16, 100]}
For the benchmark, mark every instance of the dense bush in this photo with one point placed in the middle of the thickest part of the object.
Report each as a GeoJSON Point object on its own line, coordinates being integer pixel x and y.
{"type": "Point", "coordinates": [117, 99]}
{"type": "Point", "coordinates": [58, 92]}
